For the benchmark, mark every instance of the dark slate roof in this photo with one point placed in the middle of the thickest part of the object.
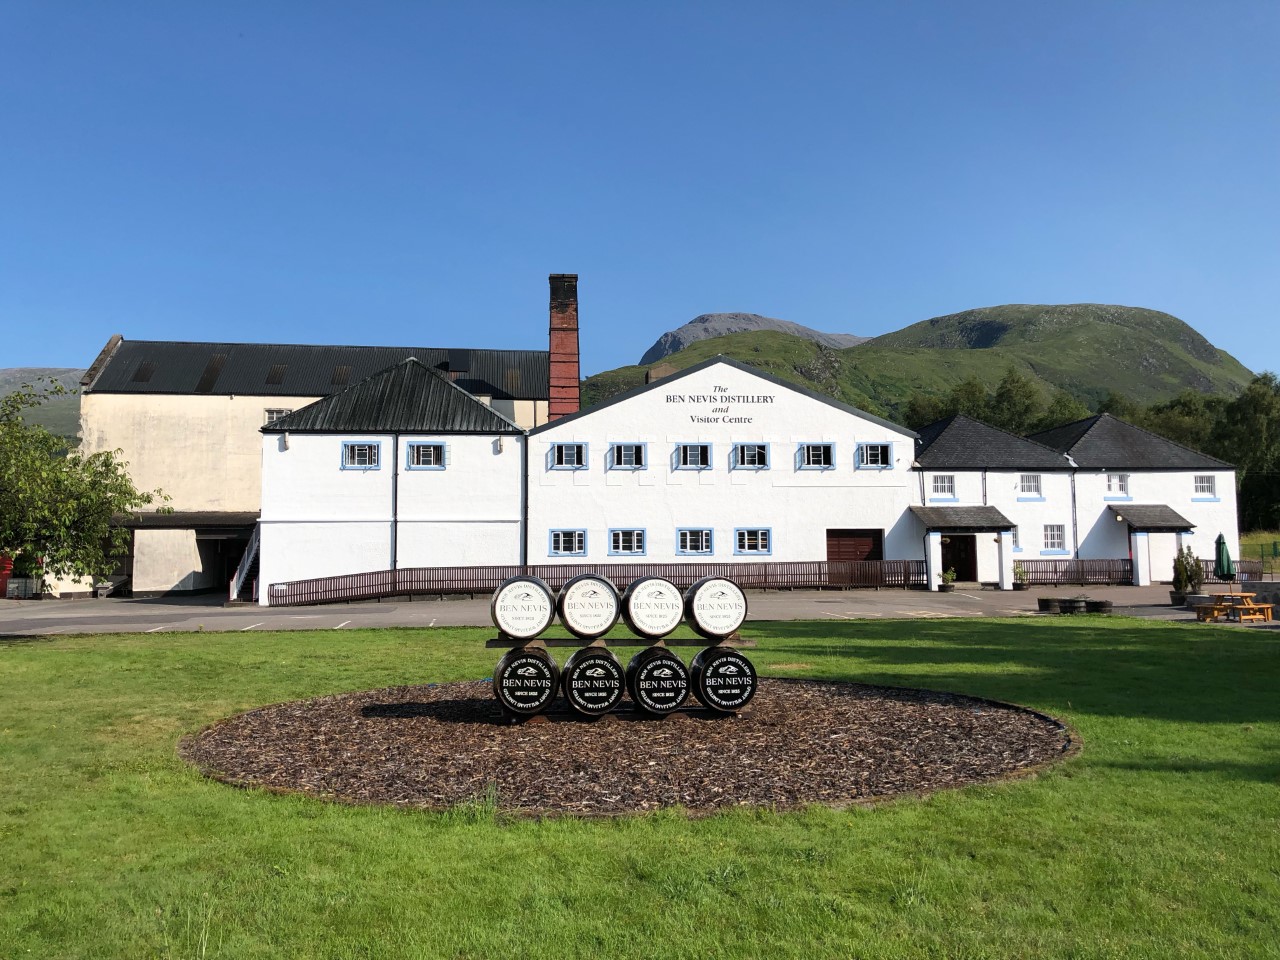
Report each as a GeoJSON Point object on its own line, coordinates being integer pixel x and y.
{"type": "Point", "coordinates": [406, 398]}
{"type": "Point", "coordinates": [962, 443]}
{"type": "Point", "coordinates": [1102, 442]}
{"type": "Point", "coordinates": [961, 519]}
{"type": "Point", "coordinates": [295, 370]}
{"type": "Point", "coordinates": [1152, 518]}
{"type": "Point", "coordinates": [666, 382]}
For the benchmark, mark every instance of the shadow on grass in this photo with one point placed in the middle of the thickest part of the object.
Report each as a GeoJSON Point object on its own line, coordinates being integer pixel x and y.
{"type": "Point", "coordinates": [1261, 773]}
{"type": "Point", "coordinates": [1103, 666]}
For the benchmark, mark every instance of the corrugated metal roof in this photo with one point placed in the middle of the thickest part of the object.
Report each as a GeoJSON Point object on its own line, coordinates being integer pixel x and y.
{"type": "Point", "coordinates": [962, 443]}
{"type": "Point", "coordinates": [1103, 442]}
{"type": "Point", "coordinates": [406, 398]}
{"type": "Point", "coordinates": [1154, 518]}
{"type": "Point", "coordinates": [976, 519]}
{"type": "Point", "coordinates": [298, 370]}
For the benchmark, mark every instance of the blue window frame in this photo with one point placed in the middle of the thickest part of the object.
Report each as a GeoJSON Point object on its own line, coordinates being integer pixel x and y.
{"type": "Point", "coordinates": [628, 456]}
{"type": "Point", "coordinates": [1030, 488]}
{"type": "Point", "coordinates": [752, 541]}
{"type": "Point", "coordinates": [361, 455]}
{"type": "Point", "coordinates": [750, 456]}
{"type": "Point", "coordinates": [627, 543]}
{"type": "Point", "coordinates": [567, 456]}
{"type": "Point", "coordinates": [816, 456]}
{"type": "Point", "coordinates": [873, 456]}
{"type": "Point", "coordinates": [567, 543]}
{"type": "Point", "coordinates": [426, 456]}
{"type": "Point", "coordinates": [691, 456]}
{"type": "Point", "coordinates": [1055, 540]}
{"type": "Point", "coordinates": [694, 542]}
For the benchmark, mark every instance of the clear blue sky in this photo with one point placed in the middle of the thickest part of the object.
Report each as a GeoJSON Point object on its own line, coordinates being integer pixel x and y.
{"type": "Point", "coordinates": [409, 173]}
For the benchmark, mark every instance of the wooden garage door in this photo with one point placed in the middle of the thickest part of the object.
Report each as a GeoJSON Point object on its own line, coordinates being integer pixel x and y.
{"type": "Point", "coordinates": [855, 545]}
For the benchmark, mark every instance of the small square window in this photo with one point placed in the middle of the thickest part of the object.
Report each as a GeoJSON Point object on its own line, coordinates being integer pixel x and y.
{"type": "Point", "coordinates": [693, 541]}
{"type": "Point", "coordinates": [751, 456]}
{"type": "Point", "coordinates": [1029, 483]}
{"type": "Point", "coordinates": [944, 485]}
{"type": "Point", "coordinates": [568, 543]}
{"type": "Point", "coordinates": [272, 414]}
{"type": "Point", "coordinates": [693, 456]}
{"type": "Point", "coordinates": [1118, 484]}
{"type": "Point", "coordinates": [626, 542]}
{"type": "Point", "coordinates": [874, 456]}
{"type": "Point", "coordinates": [568, 456]}
{"type": "Point", "coordinates": [426, 456]}
{"type": "Point", "coordinates": [749, 540]}
{"type": "Point", "coordinates": [1055, 536]}
{"type": "Point", "coordinates": [360, 456]}
{"type": "Point", "coordinates": [817, 456]}
{"type": "Point", "coordinates": [627, 456]}
{"type": "Point", "coordinates": [1206, 485]}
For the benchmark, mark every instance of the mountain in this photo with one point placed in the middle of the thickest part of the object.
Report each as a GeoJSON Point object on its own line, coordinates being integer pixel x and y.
{"type": "Point", "coordinates": [711, 325]}
{"type": "Point", "coordinates": [60, 414]}
{"type": "Point", "coordinates": [1085, 349]}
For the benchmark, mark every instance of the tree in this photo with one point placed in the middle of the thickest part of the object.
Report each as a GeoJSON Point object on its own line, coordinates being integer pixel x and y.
{"type": "Point", "coordinates": [969, 397]}
{"type": "Point", "coordinates": [1063, 408]}
{"type": "Point", "coordinates": [924, 409]}
{"type": "Point", "coordinates": [1118, 405]}
{"type": "Point", "coordinates": [1248, 435]}
{"type": "Point", "coordinates": [55, 503]}
{"type": "Point", "coordinates": [1016, 404]}
{"type": "Point", "coordinates": [1190, 419]}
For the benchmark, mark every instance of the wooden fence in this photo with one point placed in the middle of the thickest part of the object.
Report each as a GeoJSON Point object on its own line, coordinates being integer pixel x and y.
{"type": "Point", "coordinates": [1246, 571]}
{"type": "Point", "coordinates": [484, 580]}
{"type": "Point", "coordinates": [1078, 571]}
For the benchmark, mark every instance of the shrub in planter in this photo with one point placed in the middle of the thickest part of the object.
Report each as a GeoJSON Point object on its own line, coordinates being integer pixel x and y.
{"type": "Point", "coordinates": [1188, 576]}
{"type": "Point", "coordinates": [948, 578]}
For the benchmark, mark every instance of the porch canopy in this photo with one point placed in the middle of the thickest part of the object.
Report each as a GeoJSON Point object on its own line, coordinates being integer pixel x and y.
{"type": "Point", "coordinates": [963, 519]}
{"type": "Point", "coordinates": [1154, 518]}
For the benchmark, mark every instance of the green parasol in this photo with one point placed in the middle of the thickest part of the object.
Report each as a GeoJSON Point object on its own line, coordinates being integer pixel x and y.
{"type": "Point", "coordinates": [1224, 567]}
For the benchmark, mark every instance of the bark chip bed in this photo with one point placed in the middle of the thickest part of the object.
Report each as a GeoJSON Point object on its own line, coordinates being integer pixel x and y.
{"type": "Point", "coordinates": [803, 742]}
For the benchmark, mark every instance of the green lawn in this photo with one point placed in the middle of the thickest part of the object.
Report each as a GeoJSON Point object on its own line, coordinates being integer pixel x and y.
{"type": "Point", "coordinates": [1161, 840]}
{"type": "Point", "coordinates": [1262, 544]}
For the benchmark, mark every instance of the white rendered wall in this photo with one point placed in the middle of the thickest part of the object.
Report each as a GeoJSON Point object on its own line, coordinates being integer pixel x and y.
{"type": "Point", "coordinates": [797, 506]}
{"type": "Point", "coordinates": [166, 560]}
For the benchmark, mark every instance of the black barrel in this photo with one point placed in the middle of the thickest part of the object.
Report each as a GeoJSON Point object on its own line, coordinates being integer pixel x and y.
{"type": "Point", "coordinates": [593, 681]}
{"type": "Point", "coordinates": [723, 679]}
{"type": "Point", "coordinates": [588, 606]}
{"type": "Point", "coordinates": [525, 680]}
{"type": "Point", "coordinates": [657, 681]}
{"type": "Point", "coordinates": [522, 608]}
{"type": "Point", "coordinates": [652, 607]}
{"type": "Point", "coordinates": [715, 607]}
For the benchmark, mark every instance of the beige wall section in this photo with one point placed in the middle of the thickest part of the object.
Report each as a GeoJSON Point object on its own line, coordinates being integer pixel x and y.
{"type": "Point", "coordinates": [167, 560]}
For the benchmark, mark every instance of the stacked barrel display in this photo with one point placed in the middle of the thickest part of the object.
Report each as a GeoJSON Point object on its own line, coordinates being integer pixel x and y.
{"type": "Point", "coordinates": [527, 679]}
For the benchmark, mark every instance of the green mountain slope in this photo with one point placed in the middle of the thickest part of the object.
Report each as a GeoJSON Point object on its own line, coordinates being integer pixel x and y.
{"type": "Point", "coordinates": [61, 414]}
{"type": "Point", "coordinates": [1084, 349]}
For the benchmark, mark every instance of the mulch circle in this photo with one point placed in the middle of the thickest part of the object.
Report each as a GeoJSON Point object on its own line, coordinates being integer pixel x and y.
{"type": "Point", "coordinates": [802, 742]}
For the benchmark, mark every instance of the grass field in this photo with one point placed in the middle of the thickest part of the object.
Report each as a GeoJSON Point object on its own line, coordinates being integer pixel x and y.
{"type": "Point", "coordinates": [1261, 544]}
{"type": "Point", "coordinates": [1161, 840]}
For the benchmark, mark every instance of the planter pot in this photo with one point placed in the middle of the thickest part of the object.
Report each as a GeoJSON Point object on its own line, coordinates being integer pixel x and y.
{"type": "Point", "coordinates": [1071, 605]}
{"type": "Point", "coordinates": [1019, 585]}
{"type": "Point", "coordinates": [1177, 599]}
{"type": "Point", "coordinates": [1097, 606]}
{"type": "Point", "coordinates": [1048, 604]}
{"type": "Point", "coordinates": [6, 568]}
{"type": "Point", "coordinates": [946, 587]}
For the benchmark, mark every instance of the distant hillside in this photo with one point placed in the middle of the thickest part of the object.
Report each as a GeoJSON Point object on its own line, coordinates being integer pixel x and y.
{"type": "Point", "coordinates": [711, 325]}
{"type": "Point", "coordinates": [1084, 349]}
{"type": "Point", "coordinates": [60, 415]}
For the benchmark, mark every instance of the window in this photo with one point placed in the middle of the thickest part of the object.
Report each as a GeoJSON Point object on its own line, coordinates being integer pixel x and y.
{"type": "Point", "coordinates": [693, 541]}
{"type": "Point", "coordinates": [874, 456]}
{"type": "Point", "coordinates": [1055, 536]}
{"type": "Point", "coordinates": [1206, 485]}
{"type": "Point", "coordinates": [747, 540]}
{"type": "Point", "coordinates": [693, 456]}
{"type": "Point", "coordinates": [751, 456]}
{"type": "Point", "coordinates": [944, 485]}
{"type": "Point", "coordinates": [627, 456]}
{"type": "Point", "coordinates": [568, 543]}
{"type": "Point", "coordinates": [1118, 484]}
{"type": "Point", "coordinates": [272, 414]}
{"type": "Point", "coordinates": [426, 456]}
{"type": "Point", "coordinates": [1029, 484]}
{"type": "Point", "coordinates": [816, 456]}
{"type": "Point", "coordinates": [360, 456]}
{"type": "Point", "coordinates": [626, 542]}
{"type": "Point", "coordinates": [1017, 543]}
{"type": "Point", "coordinates": [568, 456]}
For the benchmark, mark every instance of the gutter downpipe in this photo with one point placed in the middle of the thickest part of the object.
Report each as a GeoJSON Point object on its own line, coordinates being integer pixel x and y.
{"type": "Point", "coordinates": [1075, 526]}
{"type": "Point", "coordinates": [524, 500]}
{"type": "Point", "coordinates": [395, 499]}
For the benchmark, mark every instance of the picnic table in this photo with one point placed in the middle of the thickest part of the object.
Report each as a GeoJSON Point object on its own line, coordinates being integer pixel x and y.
{"type": "Point", "coordinates": [1237, 607]}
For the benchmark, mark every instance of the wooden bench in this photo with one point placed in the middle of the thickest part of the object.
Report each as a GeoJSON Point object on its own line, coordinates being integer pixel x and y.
{"type": "Point", "coordinates": [1250, 612]}
{"type": "Point", "coordinates": [1211, 612]}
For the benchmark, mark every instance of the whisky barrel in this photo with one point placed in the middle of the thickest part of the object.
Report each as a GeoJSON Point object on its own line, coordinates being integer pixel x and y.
{"type": "Point", "coordinates": [715, 607]}
{"type": "Point", "coordinates": [525, 680]}
{"type": "Point", "coordinates": [652, 607]}
{"type": "Point", "coordinates": [657, 681]}
{"type": "Point", "coordinates": [593, 681]}
{"type": "Point", "coordinates": [588, 606]}
{"type": "Point", "coordinates": [722, 679]}
{"type": "Point", "coordinates": [522, 608]}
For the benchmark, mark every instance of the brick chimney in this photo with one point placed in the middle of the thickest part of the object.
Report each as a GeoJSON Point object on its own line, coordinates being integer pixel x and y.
{"type": "Point", "coordinates": [564, 345]}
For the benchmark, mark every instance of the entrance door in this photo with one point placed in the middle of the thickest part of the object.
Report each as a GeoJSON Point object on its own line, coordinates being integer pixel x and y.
{"type": "Point", "coordinates": [960, 553]}
{"type": "Point", "coordinates": [847, 546]}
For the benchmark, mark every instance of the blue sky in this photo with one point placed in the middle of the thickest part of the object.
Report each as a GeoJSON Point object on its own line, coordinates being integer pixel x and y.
{"type": "Point", "coordinates": [409, 173]}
